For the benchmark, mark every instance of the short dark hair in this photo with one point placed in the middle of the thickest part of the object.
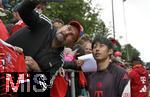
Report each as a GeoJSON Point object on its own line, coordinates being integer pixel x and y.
{"type": "Point", "coordinates": [136, 60]}
{"type": "Point", "coordinates": [103, 40]}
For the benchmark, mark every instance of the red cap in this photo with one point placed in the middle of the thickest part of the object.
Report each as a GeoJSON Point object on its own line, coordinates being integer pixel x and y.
{"type": "Point", "coordinates": [77, 25]}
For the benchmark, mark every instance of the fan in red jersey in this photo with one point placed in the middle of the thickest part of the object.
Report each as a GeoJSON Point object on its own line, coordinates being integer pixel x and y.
{"type": "Point", "coordinates": [139, 79]}
{"type": "Point", "coordinates": [10, 61]}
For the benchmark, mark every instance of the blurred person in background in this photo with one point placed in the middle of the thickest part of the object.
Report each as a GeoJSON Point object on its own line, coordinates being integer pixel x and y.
{"type": "Point", "coordinates": [3, 31]}
{"type": "Point", "coordinates": [86, 41]}
{"type": "Point", "coordinates": [139, 78]}
{"type": "Point", "coordinates": [17, 23]}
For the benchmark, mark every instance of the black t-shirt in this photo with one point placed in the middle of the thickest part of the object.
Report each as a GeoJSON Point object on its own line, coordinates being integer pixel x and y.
{"type": "Point", "coordinates": [107, 83]}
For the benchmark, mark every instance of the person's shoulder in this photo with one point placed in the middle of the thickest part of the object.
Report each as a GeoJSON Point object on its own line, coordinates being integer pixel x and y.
{"type": "Point", "coordinates": [90, 75]}
{"type": "Point", "coordinates": [132, 73]}
{"type": "Point", "coordinates": [116, 68]}
{"type": "Point", "coordinates": [119, 72]}
{"type": "Point", "coordinates": [46, 19]}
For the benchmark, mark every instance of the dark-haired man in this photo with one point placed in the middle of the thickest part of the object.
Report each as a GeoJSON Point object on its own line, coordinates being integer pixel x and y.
{"type": "Point", "coordinates": [109, 80]}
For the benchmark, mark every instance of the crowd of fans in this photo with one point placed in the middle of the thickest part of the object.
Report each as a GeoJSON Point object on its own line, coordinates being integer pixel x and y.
{"type": "Point", "coordinates": [38, 44]}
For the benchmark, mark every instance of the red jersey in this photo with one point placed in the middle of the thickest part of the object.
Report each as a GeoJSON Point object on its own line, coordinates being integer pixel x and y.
{"type": "Point", "coordinates": [20, 24]}
{"type": "Point", "coordinates": [10, 61]}
{"type": "Point", "coordinates": [3, 31]}
{"type": "Point", "coordinates": [139, 81]}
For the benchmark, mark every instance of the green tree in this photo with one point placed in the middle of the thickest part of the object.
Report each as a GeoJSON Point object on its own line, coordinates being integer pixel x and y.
{"type": "Point", "coordinates": [129, 52]}
{"type": "Point", "coordinates": [81, 11]}
{"type": "Point", "coordinates": [148, 65]}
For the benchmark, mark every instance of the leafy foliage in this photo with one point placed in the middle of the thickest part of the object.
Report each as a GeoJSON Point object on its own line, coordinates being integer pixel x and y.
{"type": "Point", "coordinates": [129, 52]}
{"type": "Point", "coordinates": [148, 65]}
{"type": "Point", "coordinates": [80, 10]}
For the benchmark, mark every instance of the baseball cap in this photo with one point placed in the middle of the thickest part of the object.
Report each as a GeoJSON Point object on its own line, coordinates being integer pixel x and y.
{"type": "Point", "coordinates": [77, 25]}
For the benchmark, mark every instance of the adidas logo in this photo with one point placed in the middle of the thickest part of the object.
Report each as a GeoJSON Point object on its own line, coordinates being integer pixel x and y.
{"type": "Point", "coordinates": [144, 89]}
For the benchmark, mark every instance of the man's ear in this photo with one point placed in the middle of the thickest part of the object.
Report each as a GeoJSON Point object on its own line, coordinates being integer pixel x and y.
{"type": "Point", "coordinates": [111, 51]}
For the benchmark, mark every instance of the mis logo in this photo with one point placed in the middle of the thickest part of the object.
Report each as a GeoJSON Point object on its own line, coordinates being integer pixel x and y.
{"type": "Point", "coordinates": [37, 83]}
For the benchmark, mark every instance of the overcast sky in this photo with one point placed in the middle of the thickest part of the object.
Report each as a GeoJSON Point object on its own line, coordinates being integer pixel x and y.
{"type": "Point", "coordinates": [132, 20]}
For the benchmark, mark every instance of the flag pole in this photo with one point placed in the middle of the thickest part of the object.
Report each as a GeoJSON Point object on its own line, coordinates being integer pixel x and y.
{"type": "Point", "coordinates": [126, 32]}
{"type": "Point", "coordinates": [113, 19]}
